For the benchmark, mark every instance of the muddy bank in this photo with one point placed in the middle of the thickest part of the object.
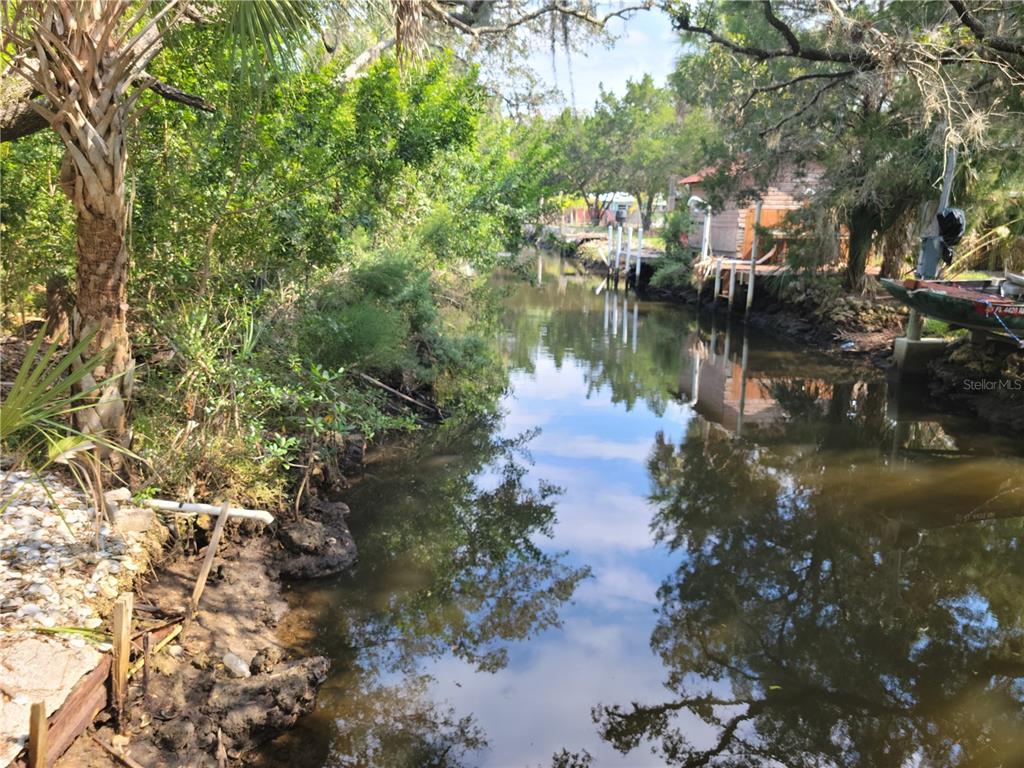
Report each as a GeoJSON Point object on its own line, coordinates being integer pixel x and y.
{"type": "Point", "coordinates": [984, 380]}
{"type": "Point", "coordinates": [226, 685]}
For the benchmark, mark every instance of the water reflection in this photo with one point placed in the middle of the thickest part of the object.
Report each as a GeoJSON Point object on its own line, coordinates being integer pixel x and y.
{"type": "Point", "coordinates": [449, 566]}
{"type": "Point", "coordinates": [848, 589]}
{"type": "Point", "coordinates": [825, 576]}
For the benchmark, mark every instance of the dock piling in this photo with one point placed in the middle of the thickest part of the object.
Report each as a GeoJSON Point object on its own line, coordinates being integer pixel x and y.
{"type": "Point", "coordinates": [753, 259]}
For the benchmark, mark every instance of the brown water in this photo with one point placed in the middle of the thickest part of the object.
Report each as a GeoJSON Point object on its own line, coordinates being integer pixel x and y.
{"type": "Point", "coordinates": [677, 544]}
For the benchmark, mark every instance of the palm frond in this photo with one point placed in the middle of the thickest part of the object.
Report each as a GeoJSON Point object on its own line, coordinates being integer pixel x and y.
{"type": "Point", "coordinates": [275, 29]}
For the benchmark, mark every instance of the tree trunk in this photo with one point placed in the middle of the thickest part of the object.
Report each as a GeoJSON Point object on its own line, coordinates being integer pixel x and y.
{"type": "Point", "coordinates": [93, 178]}
{"type": "Point", "coordinates": [87, 61]}
{"type": "Point", "coordinates": [101, 308]}
{"type": "Point", "coordinates": [863, 222]}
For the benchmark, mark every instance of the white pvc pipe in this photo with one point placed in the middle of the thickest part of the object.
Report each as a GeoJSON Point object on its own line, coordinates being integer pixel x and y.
{"type": "Point", "coordinates": [208, 509]}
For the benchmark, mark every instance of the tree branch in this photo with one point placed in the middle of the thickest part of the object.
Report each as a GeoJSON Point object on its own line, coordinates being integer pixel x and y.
{"type": "Point", "coordinates": [969, 20]}
{"type": "Point", "coordinates": [366, 58]}
{"type": "Point", "coordinates": [813, 100]}
{"type": "Point", "coordinates": [782, 27]}
{"type": "Point", "coordinates": [861, 59]}
{"type": "Point", "coordinates": [785, 84]}
{"type": "Point", "coordinates": [433, 8]}
{"type": "Point", "coordinates": [20, 119]}
{"type": "Point", "coordinates": [173, 93]}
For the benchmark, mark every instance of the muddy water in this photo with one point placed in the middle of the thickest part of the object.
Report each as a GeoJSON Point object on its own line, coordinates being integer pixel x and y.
{"type": "Point", "coordinates": [676, 542]}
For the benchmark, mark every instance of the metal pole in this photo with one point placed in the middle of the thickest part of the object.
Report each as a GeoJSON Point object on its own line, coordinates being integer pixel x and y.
{"type": "Point", "coordinates": [914, 321]}
{"type": "Point", "coordinates": [753, 259]}
{"type": "Point", "coordinates": [947, 179]}
{"type": "Point", "coordinates": [705, 246]}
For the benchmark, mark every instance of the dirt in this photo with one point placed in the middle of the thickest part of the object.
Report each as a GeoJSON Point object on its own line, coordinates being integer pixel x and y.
{"type": "Point", "coordinates": [226, 685]}
{"type": "Point", "coordinates": [985, 381]}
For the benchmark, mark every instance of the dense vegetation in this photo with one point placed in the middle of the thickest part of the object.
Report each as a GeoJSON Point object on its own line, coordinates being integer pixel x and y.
{"type": "Point", "coordinates": [864, 96]}
{"type": "Point", "coordinates": [303, 243]}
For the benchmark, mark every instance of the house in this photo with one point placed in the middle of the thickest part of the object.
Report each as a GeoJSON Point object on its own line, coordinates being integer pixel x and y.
{"type": "Point", "coordinates": [732, 227]}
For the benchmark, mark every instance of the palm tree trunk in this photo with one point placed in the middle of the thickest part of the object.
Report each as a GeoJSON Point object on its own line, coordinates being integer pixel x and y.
{"type": "Point", "coordinates": [101, 308]}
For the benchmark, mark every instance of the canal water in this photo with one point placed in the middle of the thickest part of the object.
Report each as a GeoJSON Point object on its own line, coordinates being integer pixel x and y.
{"type": "Point", "coordinates": [677, 543]}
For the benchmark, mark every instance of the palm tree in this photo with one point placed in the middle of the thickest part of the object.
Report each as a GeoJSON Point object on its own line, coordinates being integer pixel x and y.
{"type": "Point", "coordinates": [83, 64]}
{"type": "Point", "coordinates": [87, 59]}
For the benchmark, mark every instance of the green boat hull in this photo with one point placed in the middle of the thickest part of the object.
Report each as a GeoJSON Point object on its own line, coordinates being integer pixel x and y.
{"type": "Point", "coordinates": [985, 312]}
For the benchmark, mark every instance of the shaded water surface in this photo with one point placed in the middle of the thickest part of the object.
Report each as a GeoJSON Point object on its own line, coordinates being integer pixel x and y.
{"type": "Point", "coordinates": [678, 544]}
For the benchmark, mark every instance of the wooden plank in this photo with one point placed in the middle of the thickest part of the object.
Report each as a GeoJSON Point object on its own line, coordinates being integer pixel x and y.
{"type": "Point", "coordinates": [37, 735]}
{"type": "Point", "coordinates": [211, 552]}
{"type": "Point", "coordinates": [122, 639]}
{"type": "Point", "coordinates": [79, 709]}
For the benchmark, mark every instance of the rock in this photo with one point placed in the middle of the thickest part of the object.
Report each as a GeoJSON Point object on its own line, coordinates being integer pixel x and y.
{"type": "Point", "coordinates": [235, 665]}
{"type": "Point", "coordinates": [176, 734]}
{"type": "Point", "coordinates": [253, 710]}
{"type": "Point", "coordinates": [117, 494]}
{"type": "Point", "coordinates": [319, 545]}
{"type": "Point", "coordinates": [304, 536]}
{"type": "Point", "coordinates": [133, 519]}
{"type": "Point", "coordinates": [265, 660]}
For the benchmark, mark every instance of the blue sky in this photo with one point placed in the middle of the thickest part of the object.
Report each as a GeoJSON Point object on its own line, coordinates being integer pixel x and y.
{"type": "Point", "coordinates": [644, 44]}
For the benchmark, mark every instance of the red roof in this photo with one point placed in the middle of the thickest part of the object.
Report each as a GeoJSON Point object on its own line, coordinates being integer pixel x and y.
{"type": "Point", "coordinates": [699, 176]}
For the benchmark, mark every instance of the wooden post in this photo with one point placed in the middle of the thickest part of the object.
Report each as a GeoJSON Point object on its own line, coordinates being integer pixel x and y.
{"type": "Point", "coordinates": [636, 317]}
{"type": "Point", "coordinates": [147, 655]}
{"type": "Point", "coordinates": [639, 254]}
{"type": "Point", "coordinates": [753, 259]}
{"type": "Point", "coordinates": [626, 270]}
{"type": "Point", "coordinates": [122, 630]}
{"type": "Point", "coordinates": [211, 552]}
{"type": "Point", "coordinates": [38, 731]}
{"type": "Point", "coordinates": [732, 284]}
{"type": "Point", "coordinates": [743, 387]}
{"type": "Point", "coordinates": [718, 280]}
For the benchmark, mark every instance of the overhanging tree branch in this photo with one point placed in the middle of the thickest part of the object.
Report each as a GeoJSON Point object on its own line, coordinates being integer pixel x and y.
{"type": "Point", "coordinates": [859, 58]}
{"type": "Point", "coordinates": [995, 42]}
{"type": "Point", "coordinates": [20, 119]}
{"type": "Point", "coordinates": [807, 105]}
{"type": "Point", "coordinates": [457, 21]}
{"type": "Point", "coordinates": [786, 83]}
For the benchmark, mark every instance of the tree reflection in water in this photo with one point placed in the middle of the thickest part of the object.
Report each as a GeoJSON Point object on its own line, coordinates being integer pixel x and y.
{"type": "Point", "coordinates": [454, 571]}
{"type": "Point", "coordinates": [833, 612]}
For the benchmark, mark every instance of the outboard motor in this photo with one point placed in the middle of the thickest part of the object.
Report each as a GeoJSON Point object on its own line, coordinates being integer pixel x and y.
{"type": "Point", "coordinates": [952, 223]}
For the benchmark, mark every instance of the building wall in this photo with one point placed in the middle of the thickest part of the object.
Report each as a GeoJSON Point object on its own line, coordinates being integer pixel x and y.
{"type": "Point", "coordinates": [731, 228]}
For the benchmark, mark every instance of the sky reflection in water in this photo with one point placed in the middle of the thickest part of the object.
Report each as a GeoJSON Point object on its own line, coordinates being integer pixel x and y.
{"type": "Point", "coordinates": [755, 551]}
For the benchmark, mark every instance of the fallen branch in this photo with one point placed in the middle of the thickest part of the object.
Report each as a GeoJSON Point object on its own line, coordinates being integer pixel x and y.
{"type": "Point", "coordinates": [121, 757]}
{"type": "Point", "coordinates": [396, 393]}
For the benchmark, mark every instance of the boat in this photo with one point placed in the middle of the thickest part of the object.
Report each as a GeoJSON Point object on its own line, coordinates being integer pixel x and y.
{"type": "Point", "coordinates": [974, 304]}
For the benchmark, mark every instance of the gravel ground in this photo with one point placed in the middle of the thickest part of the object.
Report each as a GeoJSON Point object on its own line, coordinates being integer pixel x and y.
{"type": "Point", "coordinates": [54, 577]}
